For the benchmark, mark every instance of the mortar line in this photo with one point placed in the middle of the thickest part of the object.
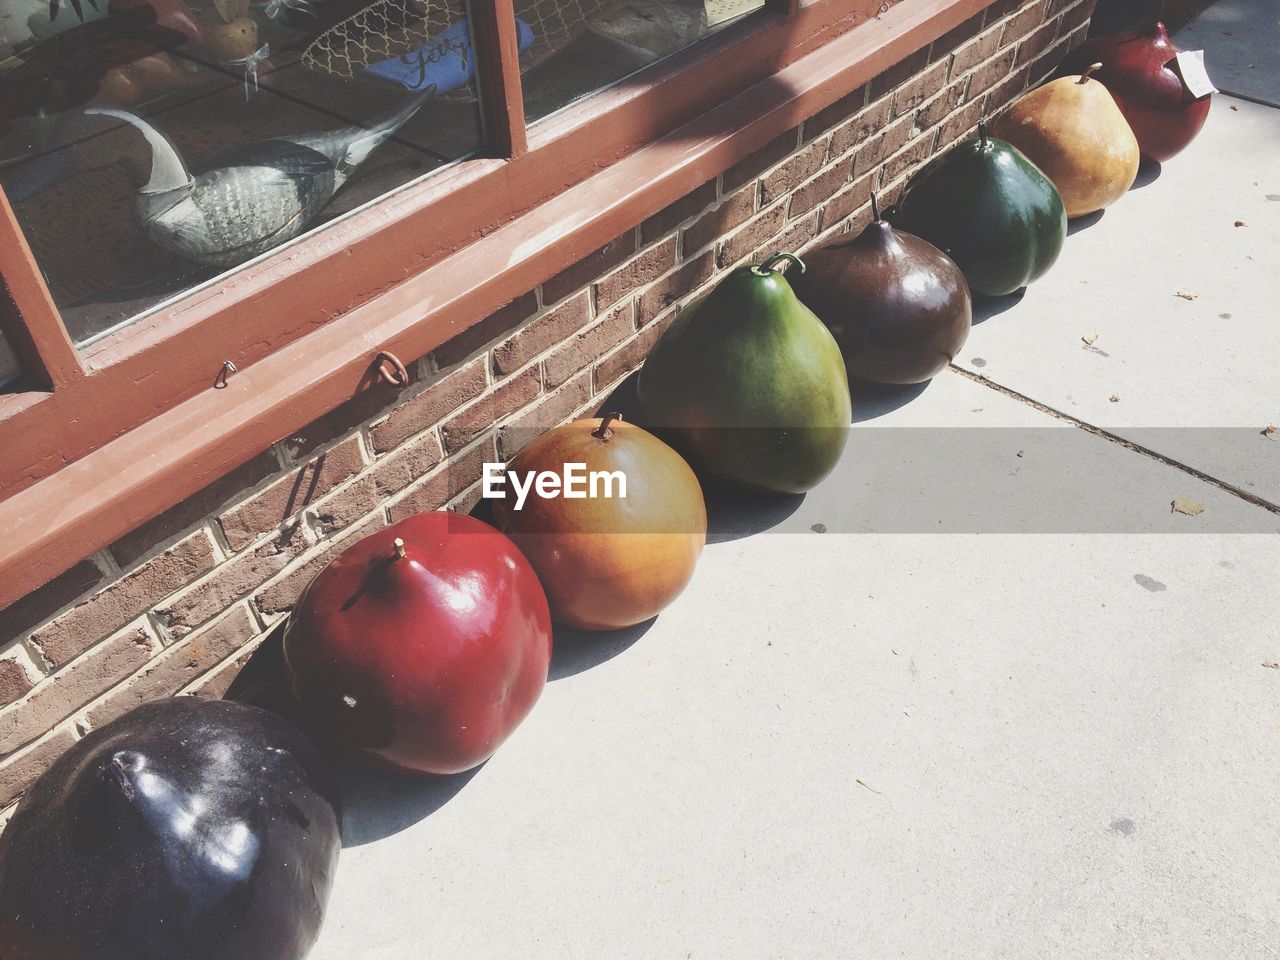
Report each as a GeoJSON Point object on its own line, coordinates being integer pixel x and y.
{"type": "Point", "coordinates": [1087, 427]}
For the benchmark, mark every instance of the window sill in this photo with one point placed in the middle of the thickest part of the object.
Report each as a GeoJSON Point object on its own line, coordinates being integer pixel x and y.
{"type": "Point", "coordinates": [91, 502]}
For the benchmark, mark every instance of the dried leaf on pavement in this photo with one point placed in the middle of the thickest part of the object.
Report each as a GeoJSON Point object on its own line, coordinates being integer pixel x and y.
{"type": "Point", "coordinates": [1186, 294]}
{"type": "Point", "coordinates": [1088, 338]}
{"type": "Point", "coordinates": [1187, 506]}
{"type": "Point", "coordinates": [1269, 431]}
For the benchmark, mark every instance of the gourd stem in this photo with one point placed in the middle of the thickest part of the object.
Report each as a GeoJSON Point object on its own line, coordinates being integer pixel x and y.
{"type": "Point", "coordinates": [398, 544]}
{"type": "Point", "coordinates": [982, 132]}
{"type": "Point", "coordinates": [762, 270]}
{"type": "Point", "coordinates": [875, 208]}
{"type": "Point", "coordinates": [1092, 68]}
{"type": "Point", "coordinates": [603, 432]}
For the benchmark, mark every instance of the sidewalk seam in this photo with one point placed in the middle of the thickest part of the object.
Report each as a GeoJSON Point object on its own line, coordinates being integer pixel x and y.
{"type": "Point", "coordinates": [1087, 427]}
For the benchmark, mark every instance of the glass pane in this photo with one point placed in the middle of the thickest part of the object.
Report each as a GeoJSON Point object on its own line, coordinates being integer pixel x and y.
{"type": "Point", "coordinates": [573, 47]}
{"type": "Point", "coordinates": [149, 146]}
{"type": "Point", "coordinates": [10, 368]}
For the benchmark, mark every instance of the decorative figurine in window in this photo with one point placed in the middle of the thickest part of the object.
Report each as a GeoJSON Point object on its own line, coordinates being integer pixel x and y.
{"type": "Point", "coordinates": [252, 197]}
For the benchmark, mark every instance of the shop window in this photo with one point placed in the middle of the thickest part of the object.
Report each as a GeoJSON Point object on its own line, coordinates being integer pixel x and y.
{"type": "Point", "coordinates": [576, 47]}
{"type": "Point", "coordinates": [148, 147]}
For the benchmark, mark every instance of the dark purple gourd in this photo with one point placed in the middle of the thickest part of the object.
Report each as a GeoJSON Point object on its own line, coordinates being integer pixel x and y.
{"type": "Point", "coordinates": [187, 829]}
{"type": "Point", "coordinates": [897, 305]}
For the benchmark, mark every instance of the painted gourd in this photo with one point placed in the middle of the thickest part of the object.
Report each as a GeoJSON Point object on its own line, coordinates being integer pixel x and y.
{"type": "Point", "coordinates": [1138, 69]}
{"type": "Point", "coordinates": [608, 561]}
{"type": "Point", "coordinates": [422, 646]}
{"type": "Point", "coordinates": [989, 209]}
{"type": "Point", "coordinates": [1073, 131]}
{"type": "Point", "coordinates": [897, 305]}
{"type": "Point", "coordinates": [199, 829]}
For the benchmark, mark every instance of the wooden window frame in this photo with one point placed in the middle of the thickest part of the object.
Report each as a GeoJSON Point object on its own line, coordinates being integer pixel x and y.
{"type": "Point", "coordinates": [111, 436]}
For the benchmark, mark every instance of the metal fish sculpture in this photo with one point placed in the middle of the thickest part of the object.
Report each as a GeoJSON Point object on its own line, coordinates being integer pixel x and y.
{"type": "Point", "coordinates": [253, 197]}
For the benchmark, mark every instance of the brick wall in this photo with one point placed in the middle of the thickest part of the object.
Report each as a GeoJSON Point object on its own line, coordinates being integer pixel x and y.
{"type": "Point", "coordinates": [180, 604]}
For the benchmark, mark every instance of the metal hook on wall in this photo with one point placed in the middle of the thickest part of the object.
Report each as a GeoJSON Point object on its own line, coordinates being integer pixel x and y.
{"type": "Point", "coordinates": [391, 370]}
{"type": "Point", "coordinates": [227, 368]}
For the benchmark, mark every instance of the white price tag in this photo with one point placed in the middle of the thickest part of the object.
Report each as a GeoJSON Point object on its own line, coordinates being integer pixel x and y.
{"type": "Point", "coordinates": [718, 11]}
{"type": "Point", "coordinates": [1194, 76]}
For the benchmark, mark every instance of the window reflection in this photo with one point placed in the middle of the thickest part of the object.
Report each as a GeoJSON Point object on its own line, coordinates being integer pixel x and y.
{"type": "Point", "coordinates": [10, 368]}
{"type": "Point", "coordinates": [149, 145]}
{"type": "Point", "coordinates": [579, 46]}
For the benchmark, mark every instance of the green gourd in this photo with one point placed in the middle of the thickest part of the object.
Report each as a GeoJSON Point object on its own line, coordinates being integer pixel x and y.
{"type": "Point", "coordinates": [990, 209]}
{"type": "Point", "coordinates": [750, 385]}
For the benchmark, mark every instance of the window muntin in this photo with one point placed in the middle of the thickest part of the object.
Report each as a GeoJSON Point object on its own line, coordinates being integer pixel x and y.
{"type": "Point", "coordinates": [599, 42]}
{"type": "Point", "coordinates": [264, 109]}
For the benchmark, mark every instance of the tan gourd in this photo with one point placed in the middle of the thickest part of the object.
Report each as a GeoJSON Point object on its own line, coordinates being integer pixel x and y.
{"type": "Point", "coordinates": [1073, 131]}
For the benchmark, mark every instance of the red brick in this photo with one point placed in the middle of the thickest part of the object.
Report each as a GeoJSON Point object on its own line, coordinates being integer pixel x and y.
{"type": "Point", "coordinates": [460, 429]}
{"type": "Point", "coordinates": [793, 172]}
{"type": "Point", "coordinates": [647, 267]}
{"type": "Point", "coordinates": [15, 682]}
{"type": "Point", "coordinates": [919, 89]}
{"type": "Point", "coordinates": [630, 355]}
{"type": "Point", "coordinates": [795, 236]}
{"type": "Point", "coordinates": [934, 110]}
{"type": "Point", "coordinates": [179, 665]}
{"type": "Point", "coordinates": [143, 541]}
{"type": "Point", "coordinates": [589, 268]}
{"type": "Point", "coordinates": [1078, 36]}
{"type": "Point", "coordinates": [919, 151]}
{"type": "Point", "coordinates": [353, 502]}
{"type": "Point", "coordinates": [476, 337]}
{"type": "Point", "coordinates": [542, 334]}
{"type": "Point", "coordinates": [746, 170]}
{"type": "Point", "coordinates": [1073, 18]}
{"type": "Point", "coordinates": [867, 123]}
{"type": "Point", "coordinates": [834, 115]}
{"type": "Point", "coordinates": [852, 197]}
{"type": "Point", "coordinates": [954, 37]}
{"type": "Point", "coordinates": [549, 412]}
{"type": "Point", "coordinates": [991, 73]}
{"type": "Point", "coordinates": [1047, 62]}
{"type": "Point", "coordinates": [23, 769]}
{"type": "Point", "coordinates": [884, 144]}
{"type": "Point", "coordinates": [675, 285]}
{"type": "Point", "coordinates": [1002, 8]}
{"type": "Point", "coordinates": [960, 123]}
{"type": "Point", "coordinates": [436, 489]}
{"type": "Point", "coordinates": [278, 596]}
{"type": "Point", "coordinates": [978, 50]}
{"type": "Point", "coordinates": [111, 608]}
{"type": "Point", "coordinates": [376, 399]}
{"type": "Point", "coordinates": [759, 229]}
{"type": "Point", "coordinates": [808, 195]}
{"type": "Point", "coordinates": [686, 208]}
{"type": "Point", "coordinates": [232, 580]}
{"type": "Point", "coordinates": [592, 343]}
{"type": "Point", "coordinates": [1022, 23]}
{"type": "Point", "coordinates": [430, 407]}
{"type": "Point", "coordinates": [22, 616]}
{"type": "Point", "coordinates": [1036, 43]}
{"type": "Point", "coordinates": [59, 696]}
{"type": "Point", "coordinates": [899, 73]}
{"type": "Point", "coordinates": [215, 684]}
{"type": "Point", "coordinates": [291, 494]}
{"type": "Point", "coordinates": [1006, 91]}
{"type": "Point", "coordinates": [733, 210]}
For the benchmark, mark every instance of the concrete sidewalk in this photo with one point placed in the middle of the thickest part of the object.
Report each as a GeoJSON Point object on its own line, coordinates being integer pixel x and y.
{"type": "Point", "coordinates": [1013, 740]}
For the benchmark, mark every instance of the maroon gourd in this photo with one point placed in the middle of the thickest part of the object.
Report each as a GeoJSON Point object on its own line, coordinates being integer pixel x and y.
{"type": "Point", "coordinates": [1138, 68]}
